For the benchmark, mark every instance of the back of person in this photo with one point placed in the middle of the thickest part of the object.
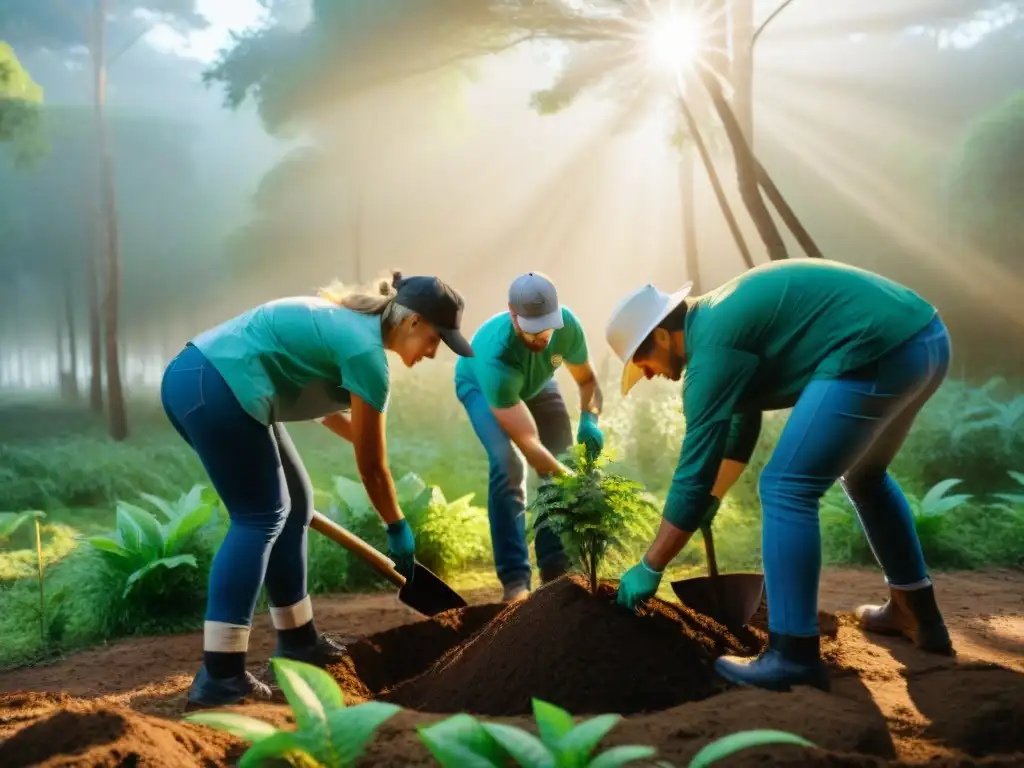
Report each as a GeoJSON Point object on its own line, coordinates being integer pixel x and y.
{"type": "Point", "coordinates": [805, 319]}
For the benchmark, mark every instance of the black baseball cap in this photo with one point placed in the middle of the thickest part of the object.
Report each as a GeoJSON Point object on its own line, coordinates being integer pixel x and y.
{"type": "Point", "coordinates": [437, 303]}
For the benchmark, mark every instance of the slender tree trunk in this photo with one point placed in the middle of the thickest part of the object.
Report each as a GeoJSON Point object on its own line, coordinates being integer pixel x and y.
{"type": "Point", "coordinates": [746, 171]}
{"type": "Point", "coordinates": [742, 74]}
{"type": "Point", "coordinates": [788, 216]}
{"type": "Point", "coordinates": [115, 395]}
{"type": "Point", "coordinates": [69, 318]}
{"type": "Point", "coordinates": [716, 183]}
{"type": "Point", "coordinates": [95, 331]}
{"type": "Point", "coordinates": [687, 168]}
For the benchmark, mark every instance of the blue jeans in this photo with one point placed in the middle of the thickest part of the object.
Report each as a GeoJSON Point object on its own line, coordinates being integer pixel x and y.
{"type": "Point", "coordinates": [848, 429]}
{"type": "Point", "coordinates": [506, 492]}
{"type": "Point", "coordinates": [261, 480]}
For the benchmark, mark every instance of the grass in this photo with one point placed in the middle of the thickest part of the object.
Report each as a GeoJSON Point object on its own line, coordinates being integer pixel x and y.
{"type": "Point", "coordinates": [78, 481]}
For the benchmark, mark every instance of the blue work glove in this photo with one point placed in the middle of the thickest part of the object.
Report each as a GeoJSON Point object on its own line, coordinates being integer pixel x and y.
{"type": "Point", "coordinates": [590, 435]}
{"type": "Point", "coordinates": [639, 583]}
{"type": "Point", "coordinates": [402, 547]}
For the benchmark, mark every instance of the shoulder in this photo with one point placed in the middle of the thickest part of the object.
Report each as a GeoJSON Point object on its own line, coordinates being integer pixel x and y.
{"type": "Point", "coordinates": [493, 337]}
{"type": "Point", "coordinates": [570, 320]}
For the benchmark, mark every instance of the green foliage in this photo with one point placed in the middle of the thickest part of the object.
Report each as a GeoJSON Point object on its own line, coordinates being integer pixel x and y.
{"type": "Point", "coordinates": [20, 97]}
{"type": "Point", "coordinates": [462, 741]}
{"type": "Point", "coordinates": [736, 742]}
{"type": "Point", "coordinates": [142, 544]}
{"type": "Point", "coordinates": [594, 510]}
{"type": "Point", "coordinates": [327, 732]}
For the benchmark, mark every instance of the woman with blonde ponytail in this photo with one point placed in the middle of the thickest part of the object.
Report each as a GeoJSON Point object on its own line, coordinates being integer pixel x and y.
{"type": "Point", "coordinates": [228, 394]}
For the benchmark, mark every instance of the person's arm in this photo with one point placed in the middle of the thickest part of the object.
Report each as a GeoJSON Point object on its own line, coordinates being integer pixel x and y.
{"type": "Point", "coordinates": [519, 425]}
{"type": "Point", "coordinates": [340, 424]}
{"type": "Point", "coordinates": [368, 439]}
{"type": "Point", "coordinates": [591, 397]}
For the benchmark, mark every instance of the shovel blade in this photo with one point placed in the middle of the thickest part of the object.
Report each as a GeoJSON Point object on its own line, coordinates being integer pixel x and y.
{"type": "Point", "coordinates": [739, 596]}
{"type": "Point", "coordinates": [428, 594]}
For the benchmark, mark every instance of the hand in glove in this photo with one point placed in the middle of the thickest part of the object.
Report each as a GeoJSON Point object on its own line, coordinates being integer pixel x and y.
{"type": "Point", "coordinates": [402, 547]}
{"type": "Point", "coordinates": [590, 435]}
{"type": "Point", "coordinates": [638, 584]}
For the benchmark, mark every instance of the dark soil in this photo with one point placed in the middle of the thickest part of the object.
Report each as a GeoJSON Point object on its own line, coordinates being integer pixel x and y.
{"type": "Point", "coordinates": [581, 652]}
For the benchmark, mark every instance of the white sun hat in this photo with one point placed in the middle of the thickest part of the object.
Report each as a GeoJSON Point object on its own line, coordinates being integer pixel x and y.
{"type": "Point", "coordinates": [633, 320]}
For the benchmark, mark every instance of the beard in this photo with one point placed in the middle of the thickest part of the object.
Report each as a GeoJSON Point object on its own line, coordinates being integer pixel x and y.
{"type": "Point", "coordinates": [676, 364]}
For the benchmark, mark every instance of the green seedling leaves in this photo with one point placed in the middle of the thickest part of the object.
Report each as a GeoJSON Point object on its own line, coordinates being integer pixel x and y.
{"type": "Point", "coordinates": [525, 748]}
{"type": "Point", "coordinates": [163, 562]}
{"type": "Point", "coordinates": [462, 742]}
{"type": "Point", "coordinates": [351, 729]}
{"type": "Point", "coordinates": [736, 742]}
{"type": "Point", "coordinates": [246, 728]}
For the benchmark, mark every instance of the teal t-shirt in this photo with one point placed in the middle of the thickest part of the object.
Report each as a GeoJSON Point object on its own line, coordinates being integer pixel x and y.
{"type": "Point", "coordinates": [298, 359]}
{"type": "Point", "coordinates": [756, 342]}
{"type": "Point", "coordinates": [506, 371]}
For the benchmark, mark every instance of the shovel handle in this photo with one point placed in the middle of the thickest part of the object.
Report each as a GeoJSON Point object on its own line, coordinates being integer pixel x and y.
{"type": "Point", "coordinates": [378, 561]}
{"type": "Point", "coordinates": [709, 550]}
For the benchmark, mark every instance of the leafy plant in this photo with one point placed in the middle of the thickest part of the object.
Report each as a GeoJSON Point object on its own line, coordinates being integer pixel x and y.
{"type": "Point", "coordinates": [1014, 499]}
{"type": "Point", "coordinates": [1004, 417]}
{"type": "Point", "coordinates": [326, 731]}
{"type": "Point", "coordinates": [736, 742]}
{"type": "Point", "coordinates": [11, 522]}
{"type": "Point", "coordinates": [462, 741]}
{"type": "Point", "coordinates": [929, 511]}
{"type": "Point", "coordinates": [594, 510]}
{"type": "Point", "coordinates": [141, 543]}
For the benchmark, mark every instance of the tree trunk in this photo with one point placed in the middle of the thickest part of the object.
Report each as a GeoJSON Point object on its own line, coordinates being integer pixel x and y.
{"type": "Point", "coordinates": [742, 75]}
{"type": "Point", "coordinates": [95, 332]}
{"type": "Point", "coordinates": [788, 216]}
{"type": "Point", "coordinates": [686, 177]}
{"type": "Point", "coordinates": [746, 171]}
{"type": "Point", "coordinates": [115, 394]}
{"type": "Point", "coordinates": [716, 183]}
{"type": "Point", "coordinates": [69, 318]}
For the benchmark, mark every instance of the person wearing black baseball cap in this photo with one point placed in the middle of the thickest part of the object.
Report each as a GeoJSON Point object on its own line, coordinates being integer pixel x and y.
{"type": "Point", "coordinates": [228, 394]}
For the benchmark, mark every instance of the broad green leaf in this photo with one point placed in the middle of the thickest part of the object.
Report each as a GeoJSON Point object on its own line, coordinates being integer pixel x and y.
{"type": "Point", "coordinates": [107, 544]}
{"type": "Point", "coordinates": [163, 562]}
{"type": "Point", "coordinates": [452, 754]}
{"type": "Point", "coordinates": [552, 722]}
{"type": "Point", "coordinates": [582, 739]}
{"type": "Point", "coordinates": [1018, 476]}
{"type": "Point", "coordinates": [295, 678]}
{"type": "Point", "coordinates": [351, 728]}
{"type": "Point", "coordinates": [409, 487]}
{"type": "Point", "coordinates": [618, 756]}
{"type": "Point", "coordinates": [525, 748]}
{"type": "Point", "coordinates": [945, 504]}
{"type": "Point", "coordinates": [324, 687]}
{"type": "Point", "coordinates": [162, 504]}
{"type": "Point", "coordinates": [736, 742]}
{"type": "Point", "coordinates": [352, 495]}
{"type": "Point", "coordinates": [468, 734]}
{"type": "Point", "coordinates": [192, 499]}
{"type": "Point", "coordinates": [128, 530]}
{"type": "Point", "coordinates": [1012, 498]}
{"type": "Point", "coordinates": [248, 728]}
{"type": "Point", "coordinates": [11, 522]}
{"type": "Point", "coordinates": [939, 490]}
{"type": "Point", "coordinates": [179, 531]}
{"type": "Point", "coordinates": [279, 745]}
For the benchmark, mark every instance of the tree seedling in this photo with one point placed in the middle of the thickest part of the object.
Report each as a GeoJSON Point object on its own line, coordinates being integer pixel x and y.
{"type": "Point", "coordinates": [326, 731]}
{"type": "Point", "coordinates": [594, 510]}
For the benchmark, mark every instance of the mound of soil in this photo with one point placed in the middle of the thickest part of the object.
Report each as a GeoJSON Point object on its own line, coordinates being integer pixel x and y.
{"type": "Point", "coordinates": [581, 652]}
{"type": "Point", "coordinates": [88, 734]}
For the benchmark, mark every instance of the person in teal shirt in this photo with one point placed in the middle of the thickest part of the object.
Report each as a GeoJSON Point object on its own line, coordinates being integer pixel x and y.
{"type": "Point", "coordinates": [508, 390]}
{"type": "Point", "coordinates": [229, 392]}
{"type": "Point", "coordinates": [856, 356]}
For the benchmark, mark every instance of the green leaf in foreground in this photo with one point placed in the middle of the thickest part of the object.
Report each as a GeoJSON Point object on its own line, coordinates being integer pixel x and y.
{"type": "Point", "coordinates": [736, 742]}
{"type": "Point", "coordinates": [460, 741]}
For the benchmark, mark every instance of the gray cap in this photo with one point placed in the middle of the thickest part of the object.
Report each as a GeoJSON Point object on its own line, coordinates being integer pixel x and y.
{"type": "Point", "coordinates": [534, 300]}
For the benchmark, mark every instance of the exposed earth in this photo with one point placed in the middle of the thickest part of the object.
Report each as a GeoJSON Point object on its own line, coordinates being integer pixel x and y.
{"type": "Point", "coordinates": [120, 705]}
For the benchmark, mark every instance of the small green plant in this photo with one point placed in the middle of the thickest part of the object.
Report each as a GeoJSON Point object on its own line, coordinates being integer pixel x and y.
{"type": "Point", "coordinates": [141, 543]}
{"type": "Point", "coordinates": [736, 742]}
{"type": "Point", "coordinates": [929, 511]}
{"type": "Point", "coordinates": [594, 510]}
{"type": "Point", "coordinates": [462, 741]}
{"type": "Point", "coordinates": [326, 731]}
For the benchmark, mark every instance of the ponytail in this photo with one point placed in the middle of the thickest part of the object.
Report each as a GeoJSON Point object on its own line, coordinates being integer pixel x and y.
{"type": "Point", "coordinates": [363, 301]}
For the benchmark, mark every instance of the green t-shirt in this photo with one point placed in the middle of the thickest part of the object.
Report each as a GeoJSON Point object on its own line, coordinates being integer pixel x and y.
{"type": "Point", "coordinates": [506, 371]}
{"type": "Point", "coordinates": [756, 342]}
{"type": "Point", "coordinates": [298, 359]}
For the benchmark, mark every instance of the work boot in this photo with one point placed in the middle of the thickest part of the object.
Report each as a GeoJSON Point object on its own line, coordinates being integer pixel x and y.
{"type": "Point", "coordinates": [553, 571]}
{"type": "Point", "coordinates": [513, 593]}
{"type": "Point", "coordinates": [912, 613]}
{"type": "Point", "coordinates": [787, 661]}
{"type": "Point", "coordinates": [210, 692]}
{"type": "Point", "coordinates": [323, 654]}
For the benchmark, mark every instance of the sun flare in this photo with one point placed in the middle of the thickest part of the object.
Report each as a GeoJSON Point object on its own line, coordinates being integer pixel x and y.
{"type": "Point", "coordinates": [674, 42]}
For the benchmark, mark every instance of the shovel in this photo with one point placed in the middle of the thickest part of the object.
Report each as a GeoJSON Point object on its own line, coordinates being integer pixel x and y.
{"type": "Point", "coordinates": [425, 592]}
{"type": "Point", "coordinates": [731, 599]}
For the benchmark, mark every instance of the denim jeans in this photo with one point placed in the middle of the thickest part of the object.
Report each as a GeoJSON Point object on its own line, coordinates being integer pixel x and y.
{"type": "Point", "coordinates": [506, 493]}
{"type": "Point", "coordinates": [261, 480]}
{"type": "Point", "coordinates": [848, 429]}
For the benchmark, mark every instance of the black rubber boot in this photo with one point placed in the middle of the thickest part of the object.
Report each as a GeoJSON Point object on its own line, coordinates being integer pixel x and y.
{"type": "Point", "coordinates": [553, 571]}
{"type": "Point", "coordinates": [912, 613]}
{"type": "Point", "coordinates": [787, 661]}
{"type": "Point", "coordinates": [210, 692]}
{"type": "Point", "coordinates": [325, 653]}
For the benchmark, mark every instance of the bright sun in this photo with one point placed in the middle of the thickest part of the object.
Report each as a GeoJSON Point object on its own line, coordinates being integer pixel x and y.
{"type": "Point", "coordinates": [673, 43]}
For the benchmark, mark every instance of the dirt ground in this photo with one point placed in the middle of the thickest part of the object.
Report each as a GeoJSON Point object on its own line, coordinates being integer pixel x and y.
{"type": "Point", "coordinates": [890, 704]}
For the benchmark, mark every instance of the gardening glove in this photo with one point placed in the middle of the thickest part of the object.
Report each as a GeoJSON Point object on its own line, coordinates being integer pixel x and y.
{"type": "Point", "coordinates": [590, 435]}
{"type": "Point", "coordinates": [639, 583]}
{"type": "Point", "coordinates": [402, 547]}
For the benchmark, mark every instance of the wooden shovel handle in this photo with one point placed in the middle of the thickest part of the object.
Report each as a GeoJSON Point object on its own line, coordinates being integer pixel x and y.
{"type": "Point", "coordinates": [709, 550]}
{"type": "Point", "coordinates": [357, 547]}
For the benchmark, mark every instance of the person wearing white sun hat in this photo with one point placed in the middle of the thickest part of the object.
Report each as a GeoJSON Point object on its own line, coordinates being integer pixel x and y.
{"type": "Point", "coordinates": [856, 356]}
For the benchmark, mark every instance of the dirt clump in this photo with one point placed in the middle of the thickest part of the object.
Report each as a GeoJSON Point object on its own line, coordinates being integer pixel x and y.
{"type": "Point", "coordinates": [104, 736]}
{"type": "Point", "coordinates": [580, 652]}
